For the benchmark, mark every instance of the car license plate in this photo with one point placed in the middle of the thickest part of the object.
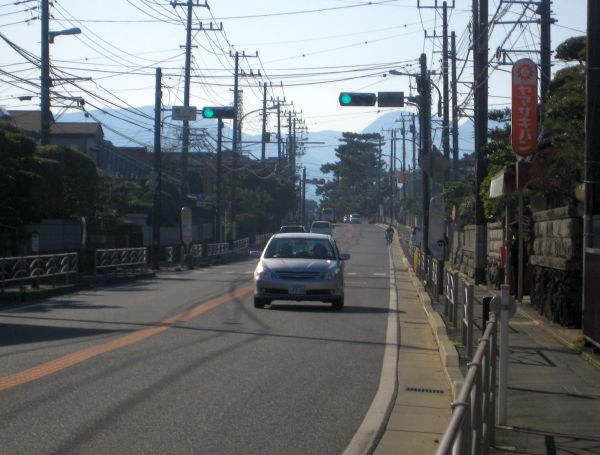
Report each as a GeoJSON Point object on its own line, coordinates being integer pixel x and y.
{"type": "Point", "coordinates": [297, 290]}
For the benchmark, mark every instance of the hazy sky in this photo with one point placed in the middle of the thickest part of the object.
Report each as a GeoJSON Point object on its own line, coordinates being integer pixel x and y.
{"type": "Point", "coordinates": [308, 52]}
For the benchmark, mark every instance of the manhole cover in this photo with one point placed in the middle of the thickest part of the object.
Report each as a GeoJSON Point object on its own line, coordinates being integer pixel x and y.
{"type": "Point", "coordinates": [423, 390]}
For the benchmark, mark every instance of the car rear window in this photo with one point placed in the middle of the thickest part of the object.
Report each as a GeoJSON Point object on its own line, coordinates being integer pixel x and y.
{"type": "Point", "coordinates": [320, 224]}
{"type": "Point", "coordinates": [300, 248]}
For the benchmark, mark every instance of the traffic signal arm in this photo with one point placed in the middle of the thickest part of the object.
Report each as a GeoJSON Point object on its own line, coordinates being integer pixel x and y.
{"type": "Point", "coordinates": [357, 99]}
{"type": "Point", "coordinates": [218, 112]}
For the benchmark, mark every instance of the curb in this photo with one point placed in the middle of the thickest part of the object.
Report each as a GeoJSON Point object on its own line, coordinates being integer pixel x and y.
{"type": "Point", "coordinates": [448, 353]}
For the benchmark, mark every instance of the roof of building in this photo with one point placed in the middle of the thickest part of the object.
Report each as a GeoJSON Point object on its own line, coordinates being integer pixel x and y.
{"type": "Point", "coordinates": [31, 121]}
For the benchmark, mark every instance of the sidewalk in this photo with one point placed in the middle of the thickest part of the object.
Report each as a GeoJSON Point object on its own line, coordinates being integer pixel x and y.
{"type": "Point", "coordinates": [553, 389]}
{"type": "Point", "coordinates": [422, 407]}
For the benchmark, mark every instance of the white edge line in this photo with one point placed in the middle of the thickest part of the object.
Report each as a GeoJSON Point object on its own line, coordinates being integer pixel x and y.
{"type": "Point", "coordinates": [372, 426]}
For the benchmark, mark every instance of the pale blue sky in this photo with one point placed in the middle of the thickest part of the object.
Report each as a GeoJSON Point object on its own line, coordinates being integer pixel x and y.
{"type": "Point", "coordinates": [307, 51]}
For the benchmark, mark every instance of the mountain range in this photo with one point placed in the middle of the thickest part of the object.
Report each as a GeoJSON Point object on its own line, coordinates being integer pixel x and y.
{"type": "Point", "coordinates": [319, 146]}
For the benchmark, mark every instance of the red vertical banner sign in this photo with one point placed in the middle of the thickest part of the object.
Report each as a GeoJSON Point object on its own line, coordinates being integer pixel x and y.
{"type": "Point", "coordinates": [524, 107]}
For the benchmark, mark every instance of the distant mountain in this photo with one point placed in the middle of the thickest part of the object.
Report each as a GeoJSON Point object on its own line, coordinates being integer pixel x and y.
{"type": "Point", "coordinates": [123, 128]}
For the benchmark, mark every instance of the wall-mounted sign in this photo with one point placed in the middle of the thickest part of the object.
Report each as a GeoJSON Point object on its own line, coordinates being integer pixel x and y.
{"type": "Point", "coordinates": [184, 113]}
{"type": "Point", "coordinates": [524, 107]}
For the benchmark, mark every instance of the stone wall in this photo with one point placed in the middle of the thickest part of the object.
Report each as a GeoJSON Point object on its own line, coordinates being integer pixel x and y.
{"type": "Point", "coordinates": [462, 253]}
{"type": "Point", "coordinates": [556, 261]}
{"type": "Point", "coordinates": [495, 239]}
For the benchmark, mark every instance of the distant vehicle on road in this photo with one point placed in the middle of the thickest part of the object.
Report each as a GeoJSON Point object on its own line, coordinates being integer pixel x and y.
{"type": "Point", "coordinates": [321, 227]}
{"type": "Point", "coordinates": [327, 214]}
{"type": "Point", "coordinates": [355, 218]}
{"type": "Point", "coordinates": [292, 228]}
{"type": "Point", "coordinates": [299, 267]}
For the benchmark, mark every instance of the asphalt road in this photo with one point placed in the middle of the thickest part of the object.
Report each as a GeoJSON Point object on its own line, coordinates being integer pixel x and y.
{"type": "Point", "coordinates": [185, 364]}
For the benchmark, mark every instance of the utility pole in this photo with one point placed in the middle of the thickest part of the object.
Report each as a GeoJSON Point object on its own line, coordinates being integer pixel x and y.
{"type": "Point", "coordinates": [303, 207]}
{"type": "Point", "coordinates": [480, 64]}
{"type": "Point", "coordinates": [425, 126]}
{"type": "Point", "coordinates": [445, 91]}
{"type": "Point", "coordinates": [279, 151]}
{"type": "Point", "coordinates": [263, 140]}
{"type": "Point", "coordinates": [591, 218]}
{"type": "Point", "coordinates": [414, 162]}
{"type": "Point", "coordinates": [392, 153]}
{"type": "Point", "coordinates": [454, 108]}
{"type": "Point", "coordinates": [219, 178]}
{"type": "Point", "coordinates": [404, 169]}
{"type": "Point", "coordinates": [235, 141]}
{"type": "Point", "coordinates": [545, 43]}
{"type": "Point", "coordinates": [45, 76]}
{"type": "Point", "coordinates": [234, 147]}
{"type": "Point", "coordinates": [156, 173]}
{"type": "Point", "coordinates": [185, 134]}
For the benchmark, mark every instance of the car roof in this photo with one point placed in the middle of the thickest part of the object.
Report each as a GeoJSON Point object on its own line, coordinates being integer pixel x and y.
{"type": "Point", "coordinates": [291, 226]}
{"type": "Point", "coordinates": [321, 222]}
{"type": "Point", "coordinates": [304, 235]}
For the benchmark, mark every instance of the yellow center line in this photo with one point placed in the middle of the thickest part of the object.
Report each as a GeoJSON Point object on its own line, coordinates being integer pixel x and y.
{"type": "Point", "coordinates": [68, 360]}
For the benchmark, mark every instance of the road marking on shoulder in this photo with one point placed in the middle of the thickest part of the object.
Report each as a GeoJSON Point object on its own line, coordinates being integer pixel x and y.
{"type": "Point", "coordinates": [364, 439]}
{"type": "Point", "coordinates": [380, 274]}
{"type": "Point", "coordinates": [66, 361]}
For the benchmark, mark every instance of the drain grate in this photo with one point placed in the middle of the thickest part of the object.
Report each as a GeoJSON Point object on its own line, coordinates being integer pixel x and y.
{"type": "Point", "coordinates": [422, 390]}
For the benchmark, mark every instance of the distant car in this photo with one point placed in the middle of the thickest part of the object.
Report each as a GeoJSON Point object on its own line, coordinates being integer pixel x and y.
{"type": "Point", "coordinates": [292, 228]}
{"type": "Point", "coordinates": [355, 218]}
{"type": "Point", "coordinates": [321, 227]}
{"type": "Point", "coordinates": [297, 267]}
{"type": "Point", "coordinates": [346, 219]}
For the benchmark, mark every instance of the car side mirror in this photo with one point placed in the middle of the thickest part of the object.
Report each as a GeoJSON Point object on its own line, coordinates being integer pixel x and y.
{"type": "Point", "coordinates": [254, 253]}
{"type": "Point", "coordinates": [344, 256]}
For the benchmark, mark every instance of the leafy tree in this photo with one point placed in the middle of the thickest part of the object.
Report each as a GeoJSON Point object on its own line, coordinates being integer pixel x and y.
{"type": "Point", "coordinates": [352, 188]}
{"type": "Point", "coordinates": [76, 176]}
{"type": "Point", "coordinates": [17, 168]}
{"type": "Point", "coordinates": [561, 152]}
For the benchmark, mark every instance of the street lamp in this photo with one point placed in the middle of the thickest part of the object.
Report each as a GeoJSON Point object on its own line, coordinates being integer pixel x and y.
{"type": "Point", "coordinates": [45, 82]}
{"type": "Point", "coordinates": [68, 31]}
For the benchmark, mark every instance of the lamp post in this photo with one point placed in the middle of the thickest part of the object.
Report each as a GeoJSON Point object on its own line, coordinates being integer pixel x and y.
{"type": "Point", "coordinates": [45, 82]}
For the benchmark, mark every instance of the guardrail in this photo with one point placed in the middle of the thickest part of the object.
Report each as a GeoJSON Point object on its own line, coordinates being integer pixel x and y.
{"type": "Point", "coordinates": [241, 246]}
{"type": "Point", "coordinates": [19, 270]}
{"type": "Point", "coordinates": [472, 425]}
{"type": "Point", "coordinates": [217, 249]}
{"type": "Point", "coordinates": [451, 300]}
{"type": "Point", "coordinates": [261, 240]}
{"type": "Point", "coordinates": [113, 258]}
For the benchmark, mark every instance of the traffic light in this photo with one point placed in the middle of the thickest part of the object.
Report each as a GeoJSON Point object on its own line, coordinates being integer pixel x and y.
{"type": "Point", "coordinates": [218, 112]}
{"type": "Point", "coordinates": [357, 99]}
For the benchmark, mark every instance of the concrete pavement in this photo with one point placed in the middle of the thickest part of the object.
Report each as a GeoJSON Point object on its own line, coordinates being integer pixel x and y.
{"type": "Point", "coordinates": [553, 388]}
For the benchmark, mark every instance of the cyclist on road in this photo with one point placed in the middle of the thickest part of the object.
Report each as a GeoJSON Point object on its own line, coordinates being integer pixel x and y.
{"type": "Point", "coordinates": [389, 234]}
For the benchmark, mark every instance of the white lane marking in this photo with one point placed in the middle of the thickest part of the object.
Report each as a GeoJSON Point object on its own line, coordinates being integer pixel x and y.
{"type": "Point", "coordinates": [380, 274]}
{"type": "Point", "coordinates": [364, 439]}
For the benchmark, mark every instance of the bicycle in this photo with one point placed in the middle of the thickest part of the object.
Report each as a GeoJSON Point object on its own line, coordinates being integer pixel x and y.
{"type": "Point", "coordinates": [389, 237]}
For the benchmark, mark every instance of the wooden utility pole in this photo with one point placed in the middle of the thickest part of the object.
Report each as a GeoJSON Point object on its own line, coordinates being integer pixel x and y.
{"type": "Point", "coordinates": [480, 65]}
{"type": "Point", "coordinates": [156, 173]}
{"type": "Point", "coordinates": [455, 113]}
{"type": "Point", "coordinates": [445, 90]}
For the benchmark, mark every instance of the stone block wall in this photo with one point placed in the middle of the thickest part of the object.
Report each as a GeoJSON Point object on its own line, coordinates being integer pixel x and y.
{"type": "Point", "coordinates": [495, 239]}
{"type": "Point", "coordinates": [556, 261]}
{"type": "Point", "coordinates": [462, 253]}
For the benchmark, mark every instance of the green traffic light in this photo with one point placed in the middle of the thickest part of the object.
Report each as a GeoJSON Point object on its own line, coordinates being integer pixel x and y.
{"type": "Point", "coordinates": [208, 112]}
{"type": "Point", "coordinates": [346, 98]}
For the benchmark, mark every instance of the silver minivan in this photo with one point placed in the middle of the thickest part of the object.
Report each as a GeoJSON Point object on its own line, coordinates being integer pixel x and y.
{"type": "Point", "coordinates": [321, 227]}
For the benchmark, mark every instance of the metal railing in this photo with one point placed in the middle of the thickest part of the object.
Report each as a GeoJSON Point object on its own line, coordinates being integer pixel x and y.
{"type": "Point", "coordinates": [240, 246]}
{"type": "Point", "coordinates": [451, 295]}
{"type": "Point", "coordinates": [217, 249]}
{"type": "Point", "coordinates": [19, 270]}
{"type": "Point", "coordinates": [113, 258]}
{"type": "Point", "coordinates": [472, 425]}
